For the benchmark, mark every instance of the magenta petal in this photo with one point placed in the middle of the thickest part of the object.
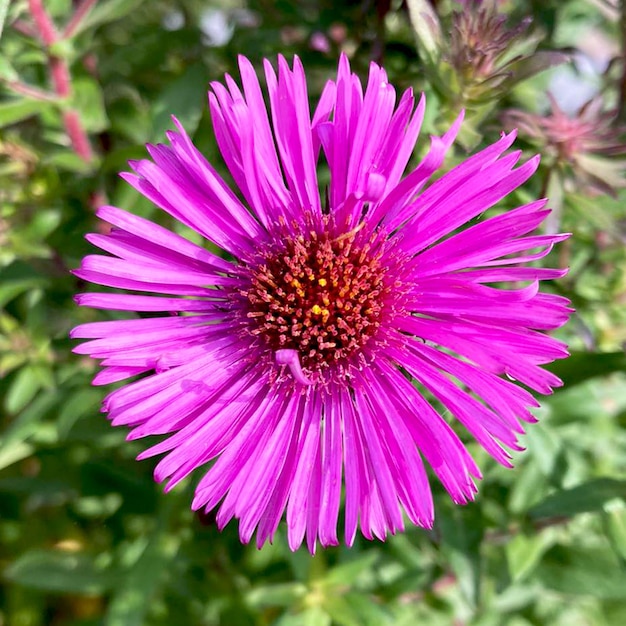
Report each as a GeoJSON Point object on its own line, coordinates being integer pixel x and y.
{"type": "Point", "coordinates": [331, 460]}
{"type": "Point", "coordinates": [297, 510]}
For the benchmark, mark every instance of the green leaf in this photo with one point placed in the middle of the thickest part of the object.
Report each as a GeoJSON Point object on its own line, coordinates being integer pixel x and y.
{"type": "Point", "coordinates": [23, 389]}
{"type": "Point", "coordinates": [576, 570]}
{"type": "Point", "coordinates": [609, 171]}
{"type": "Point", "coordinates": [58, 571]}
{"type": "Point", "coordinates": [130, 117]}
{"type": "Point", "coordinates": [106, 12]}
{"type": "Point", "coordinates": [462, 531]}
{"type": "Point", "coordinates": [523, 553]}
{"type": "Point", "coordinates": [10, 289]}
{"type": "Point", "coordinates": [42, 224]}
{"type": "Point", "coordinates": [342, 612]}
{"type": "Point", "coordinates": [185, 98]}
{"type": "Point", "coordinates": [588, 209]}
{"type": "Point", "coordinates": [427, 29]}
{"type": "Point", "coordinates": [545, 447]}
{"type": "Point", "coordinates": [7, 72]}
{"type": "Point", "coordinates": [584, 498]}
{"type": "Point", "coordinates": [20, 109]}
{"type": "Point", "coordinates": [556, 192]}
{"type": "Point", "coordinates": [615, 523]}
{"type": "Point", "coordinates": [135, 589]}
{"type": "Point", "coordinates": [83, 402]}
{"type": "Point", "coordinates": [576, 403]}
{"type": "Point", "coordinates": [354, 608]}
{"type": "Point", "coordinates": [58, 9]}
{"type": "Point", "coordinates": [88, 99]}
{"type": "Point", "coordinates": [67, 160]}
{"type": "Point", "coordinates": [28, 420]}
{"type": "Point", "coordinates": [280, 594]}
{"type": "Point", "coordinates": [581, 366]}
{"type": "Point", "coordinates": [347, 573]}
{"type": "Point", "coordinates": [469, 136]}
{"type": "Point", "coordinates": [406, 551]}
{"type": "Point", "coordinates": [315, 616]}
{"type": "Point", "coordinates": [538, 61]}
{"type": "Point", "coordinates": [14, 452]}
{"type": "Point", "coordinates": [98, 507]}
{"type": "Point", "coordinates": [4, 7]}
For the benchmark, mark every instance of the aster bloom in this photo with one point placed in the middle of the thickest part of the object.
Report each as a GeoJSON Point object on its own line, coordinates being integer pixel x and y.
{"type": "Point", "coordinates": [485, 55]}
{"type": "Point", "coordinates": [586, 143]}
{"type": "Point", "coordinates": [480, 38]}
{"type": "Point", "coordinates": [313, 361]}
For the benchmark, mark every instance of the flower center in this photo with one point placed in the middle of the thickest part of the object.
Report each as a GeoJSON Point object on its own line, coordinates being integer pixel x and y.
{"type": "Point", "coordinates": [320, 294]}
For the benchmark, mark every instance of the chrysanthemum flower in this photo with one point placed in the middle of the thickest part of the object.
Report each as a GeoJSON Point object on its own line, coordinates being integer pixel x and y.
{"type": "Point", "coordinates": [314, 360]}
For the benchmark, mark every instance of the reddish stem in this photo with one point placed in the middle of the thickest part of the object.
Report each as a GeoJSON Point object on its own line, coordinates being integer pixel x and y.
{"type": "Point", "coordinates": [77, 135]}
{"type": "Point", "coordinates": [80, 13]}
{"type": "Point", "coordinates": [60, 73]}
{"type": "Point", "coordinates": [24, 27]}
{"type": "Point", "coordinates": [30, 91]}
{"type": "Point", "coordinates": [45, 26]}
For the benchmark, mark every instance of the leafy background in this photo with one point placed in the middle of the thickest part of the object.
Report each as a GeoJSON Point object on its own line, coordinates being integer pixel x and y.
{"type": "Point", "coordinates": [86, 537]}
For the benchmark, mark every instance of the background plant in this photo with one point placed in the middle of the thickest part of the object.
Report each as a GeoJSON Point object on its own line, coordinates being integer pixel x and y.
{"type": "Point", "coordinates": [86, 538]}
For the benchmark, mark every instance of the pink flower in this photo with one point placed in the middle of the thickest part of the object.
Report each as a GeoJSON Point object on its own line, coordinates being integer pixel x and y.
{"type": "Point", "coordinates": [585, 145]}
{"type": "Point", "coordinates": [297, 366]}
{"type": "Point", "coordinates": [480, 41]}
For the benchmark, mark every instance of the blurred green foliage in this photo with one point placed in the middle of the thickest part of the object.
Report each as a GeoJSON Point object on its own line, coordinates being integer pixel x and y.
{"type": "Point", "coordinates": [86, 537]}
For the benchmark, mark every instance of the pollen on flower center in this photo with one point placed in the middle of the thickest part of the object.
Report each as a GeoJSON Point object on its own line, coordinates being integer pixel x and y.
{"type": "Point", "coordinates": [321, 294]}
